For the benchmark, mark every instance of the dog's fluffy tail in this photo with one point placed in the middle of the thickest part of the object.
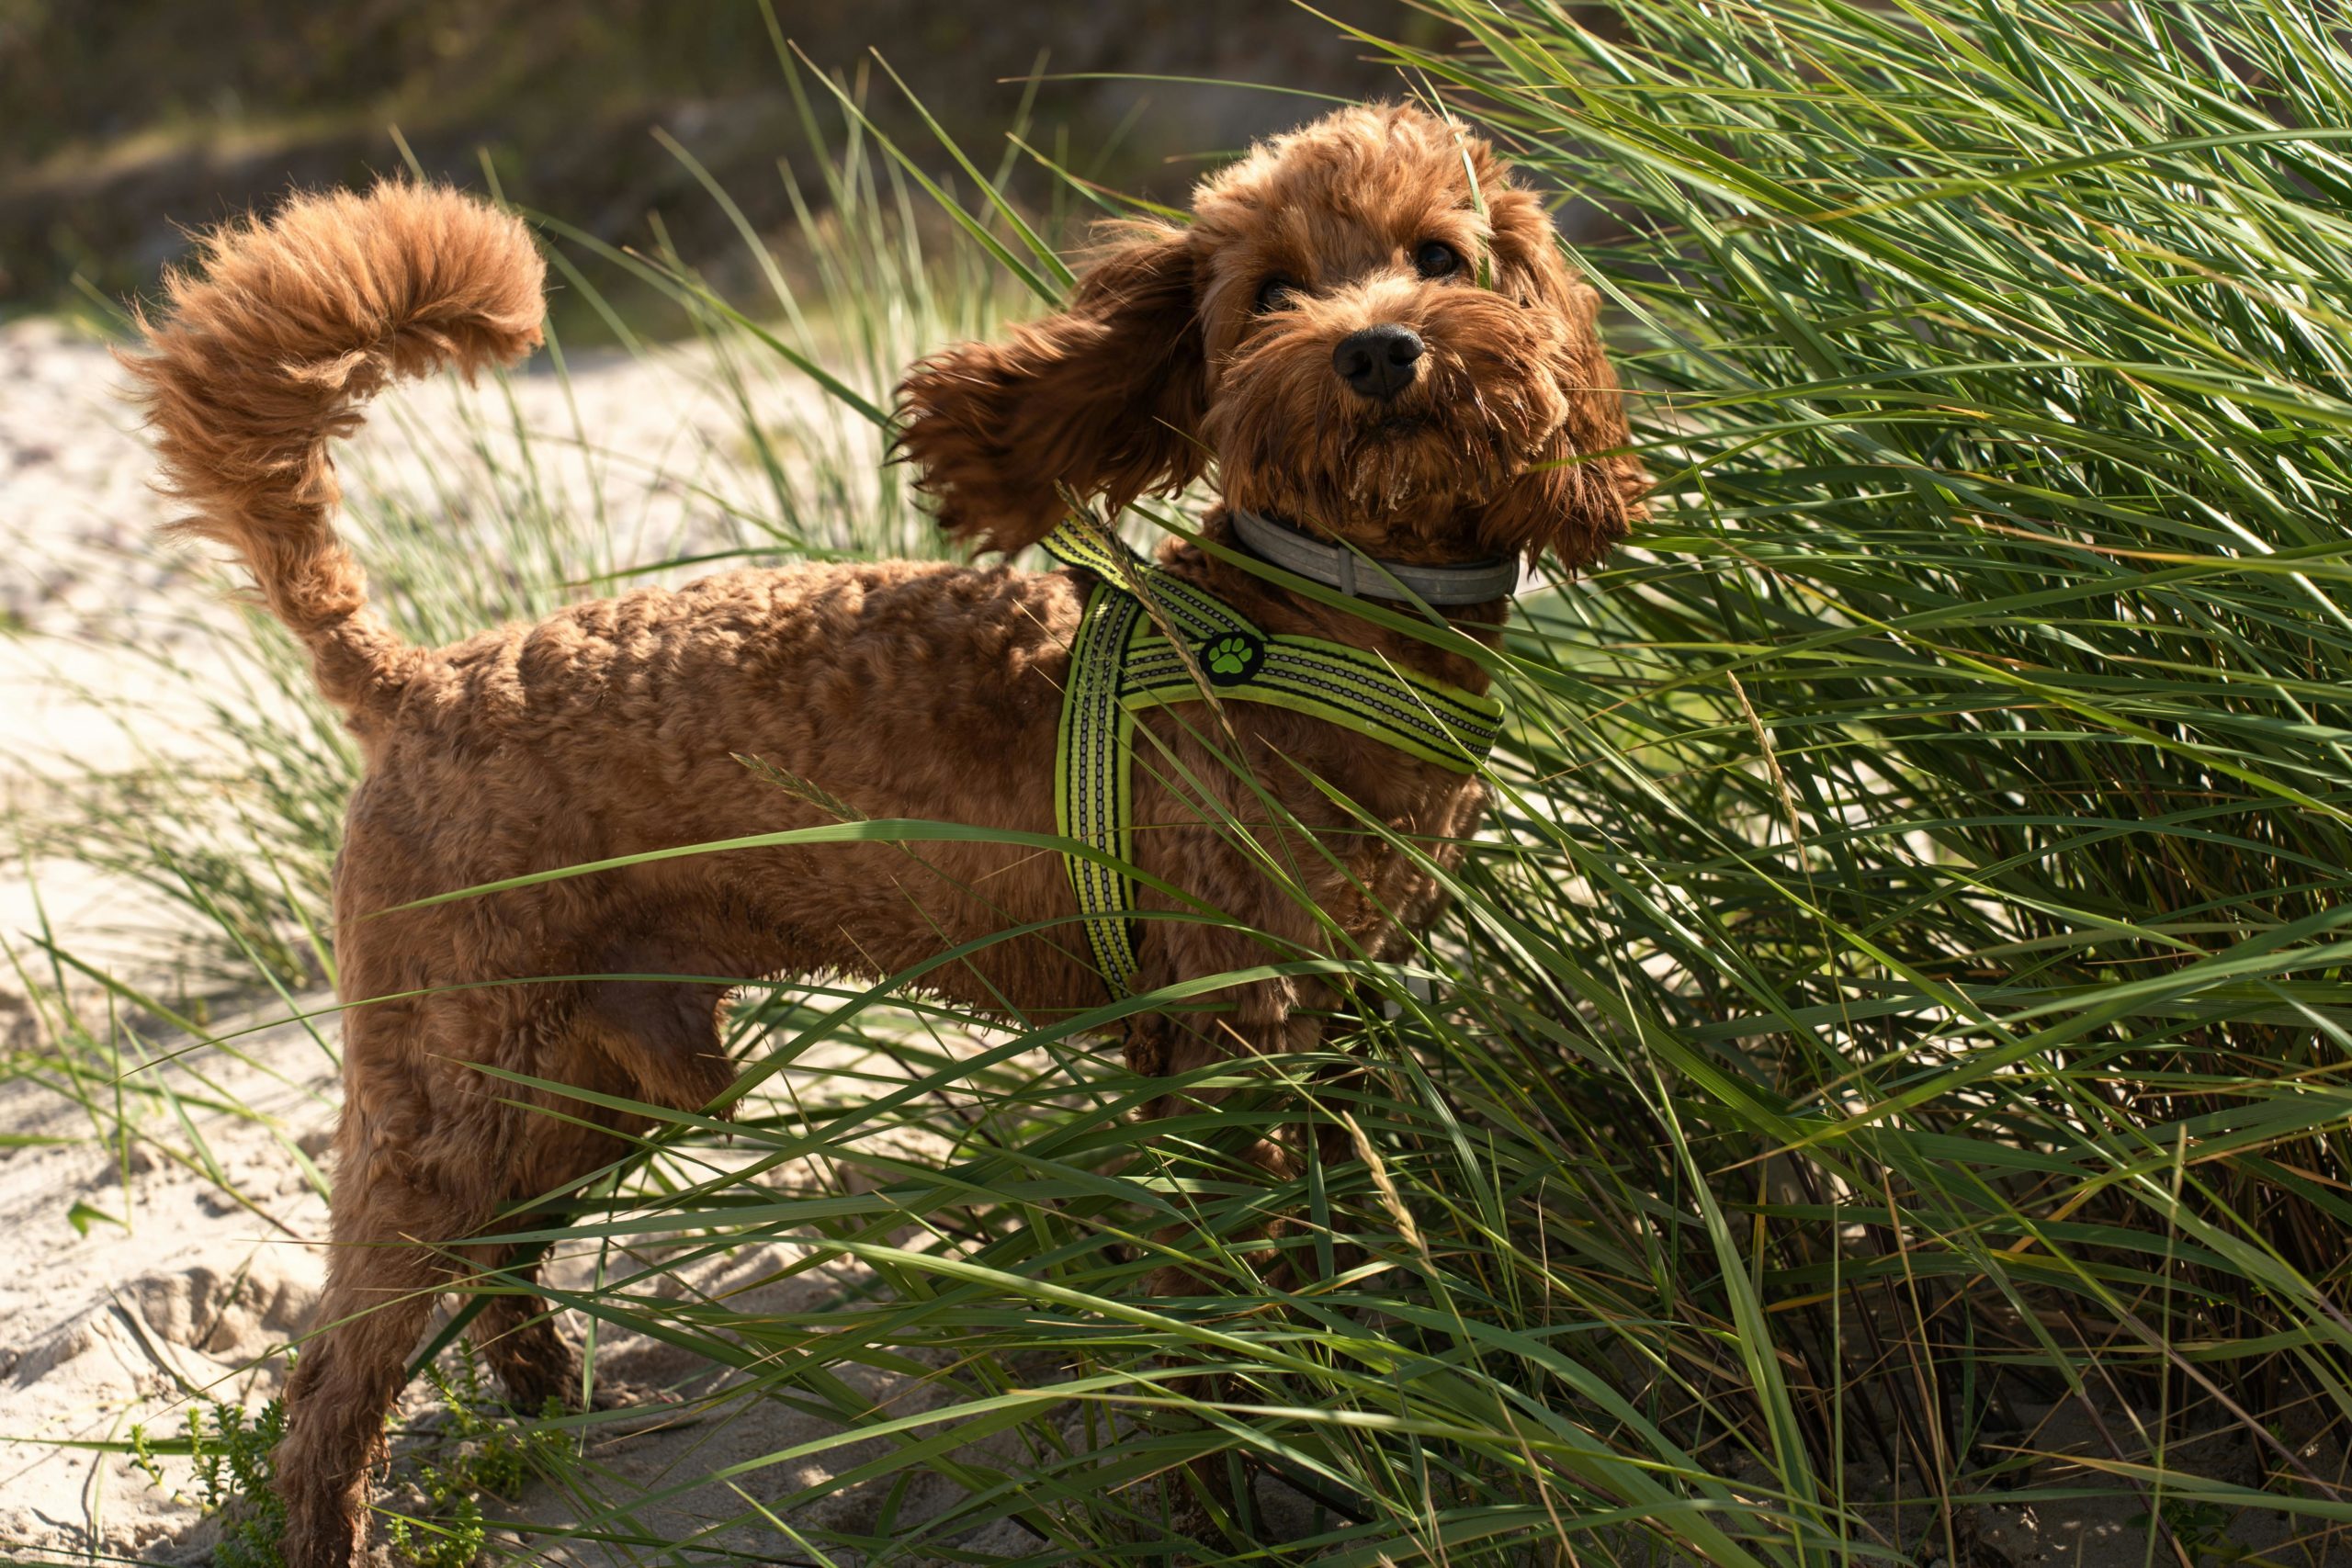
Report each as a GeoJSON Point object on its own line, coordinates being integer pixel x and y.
{"type": "Point", "coordinates": [271, 345]}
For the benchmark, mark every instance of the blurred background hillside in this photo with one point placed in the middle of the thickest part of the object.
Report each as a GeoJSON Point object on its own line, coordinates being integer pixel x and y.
{"type": "Point", "coordinates": [124, 121]}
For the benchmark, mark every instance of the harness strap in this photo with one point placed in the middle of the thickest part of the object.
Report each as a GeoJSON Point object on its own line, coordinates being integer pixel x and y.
{"type": "Point", "coordinates": [1120, 663]}
{"type": "Point", "coordinates": [1195, 614]}
{"type": "Point", "coordinates": [1331, 681]}
{"type": "Point", "coordinates": [1091, 779]}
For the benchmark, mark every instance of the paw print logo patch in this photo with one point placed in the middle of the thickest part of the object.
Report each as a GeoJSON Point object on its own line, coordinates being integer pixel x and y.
{"type": "Point", "coordinates": [1231, 658]}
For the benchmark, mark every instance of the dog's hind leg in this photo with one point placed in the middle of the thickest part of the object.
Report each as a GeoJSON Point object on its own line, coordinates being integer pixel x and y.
{"type": "Point", "coordinates": [657, 1040]}
{"type": "Point", "coordinates": [516, 1330]}
{"type": "Point", "coordinates": [428, 1153]}
{"type": "Point", "coordinates": [381, 1287]}
{"type": "Point", "coordinates": [518, 1336]}
{"type": "Point", "coordinates": [654, 1039]}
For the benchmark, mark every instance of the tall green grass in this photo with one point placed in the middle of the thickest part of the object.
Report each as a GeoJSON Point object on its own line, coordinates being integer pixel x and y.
{"type": "Point", "coordinates": [1958, 769]}
{"type": "Point", "coordinates": [1893, 1027]}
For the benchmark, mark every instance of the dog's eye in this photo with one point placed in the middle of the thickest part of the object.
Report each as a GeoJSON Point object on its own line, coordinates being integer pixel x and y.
{"type": "Point", "coordinates": [1275, 294]}
{"type": "Point", "coordinates": [1436, 259]}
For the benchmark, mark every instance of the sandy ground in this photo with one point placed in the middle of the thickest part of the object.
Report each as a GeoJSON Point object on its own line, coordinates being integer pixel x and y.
{"type": "Point", "coordinates": [135, 1284]}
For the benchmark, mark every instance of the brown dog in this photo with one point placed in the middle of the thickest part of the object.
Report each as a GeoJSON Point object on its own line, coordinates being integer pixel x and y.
{"type": "Point", "coordinates": [1353, 337]}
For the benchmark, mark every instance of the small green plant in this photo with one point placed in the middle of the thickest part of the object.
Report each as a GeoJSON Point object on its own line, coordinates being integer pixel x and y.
{"type": "Point", "coordinates": [232, 1479]}
{"type": "Point", "coordinates": [2201, 1527]}
{"type": "Point", "coordinates": [490, 1456]}
{"type": "Point", "coordinates": [232, 1455]}
{"type": "Point", "coordinates": [233, 1476]}
{"type": "Point", "coordinates": [143, 1460]}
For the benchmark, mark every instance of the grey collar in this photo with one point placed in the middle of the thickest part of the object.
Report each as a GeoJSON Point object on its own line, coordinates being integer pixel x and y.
{"type": "Point", "coordinates": [1360, 577]}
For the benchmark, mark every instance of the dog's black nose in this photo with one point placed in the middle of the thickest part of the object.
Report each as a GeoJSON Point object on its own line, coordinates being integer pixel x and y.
{"type": "Point", "coordinates": [1378, 361]}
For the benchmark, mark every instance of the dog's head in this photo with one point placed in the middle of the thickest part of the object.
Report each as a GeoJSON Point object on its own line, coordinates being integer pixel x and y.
{"type": "Point", "coordinates": [1365, 328]}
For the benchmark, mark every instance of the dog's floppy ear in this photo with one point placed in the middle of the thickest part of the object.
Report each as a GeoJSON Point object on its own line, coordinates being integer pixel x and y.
{"type": "Point", "coordinates": [1568, 502]}
{"type": "Point", "coordinates": [1103, 398]}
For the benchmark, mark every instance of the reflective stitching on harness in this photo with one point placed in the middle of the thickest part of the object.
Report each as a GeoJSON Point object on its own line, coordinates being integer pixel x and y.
{"type": "Point", "coordinates": [1119, 664]}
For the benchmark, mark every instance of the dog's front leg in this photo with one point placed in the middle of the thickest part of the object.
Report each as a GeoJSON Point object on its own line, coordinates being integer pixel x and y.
{"type": "Point", "coordinates": [1266, 1024]}
{"type": "Point", "coordinates": [1266, 1020]}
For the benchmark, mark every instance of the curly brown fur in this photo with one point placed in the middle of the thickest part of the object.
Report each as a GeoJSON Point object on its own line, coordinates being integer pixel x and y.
{"type": "Point", "coordinates": [901, 690]}
{"type": "Point", "coordinates": [1509, 442]}
{"type": "Point", "coordinates": [269, 351]}
{"type": "Point", "coordinates": [1101, 398]}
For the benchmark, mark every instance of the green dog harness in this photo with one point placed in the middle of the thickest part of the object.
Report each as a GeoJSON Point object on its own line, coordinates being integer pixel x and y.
{"type": "Point", "coordinates": [1121, 661]}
